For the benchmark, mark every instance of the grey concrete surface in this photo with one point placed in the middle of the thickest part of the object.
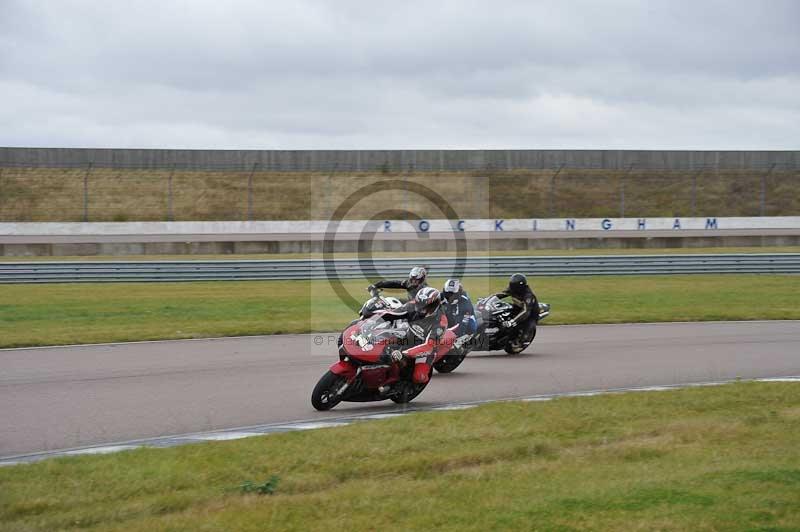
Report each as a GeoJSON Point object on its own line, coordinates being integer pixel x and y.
{"type": "Point", "coordinates": [167, 244]}
{"type": "Point", "coordinates": [342, 160]}
{"type": "Point", "coordinates": [318, 237]}
{"type": "Point", "coordinates": [62, 397]}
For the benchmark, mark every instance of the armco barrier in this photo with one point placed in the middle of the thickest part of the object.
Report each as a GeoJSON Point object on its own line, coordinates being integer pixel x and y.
{"type": "Point", "coordinates": [242, 270]}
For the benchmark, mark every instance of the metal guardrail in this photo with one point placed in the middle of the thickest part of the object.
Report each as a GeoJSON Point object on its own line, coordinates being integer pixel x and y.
{"type": "Point", "coordinates": [245, 270]}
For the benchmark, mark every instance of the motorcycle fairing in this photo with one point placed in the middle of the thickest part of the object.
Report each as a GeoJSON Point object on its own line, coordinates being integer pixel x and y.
{"type": "Point", "coordinates": [367, 339]}
{"type": "Point", "coordinates": [345, 369]}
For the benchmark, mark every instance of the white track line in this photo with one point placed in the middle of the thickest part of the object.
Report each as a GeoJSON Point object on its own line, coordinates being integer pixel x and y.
{"type": "Point", "coordinates": [108, 449]}
{"type": "Point", "coordinates": [223, 436]}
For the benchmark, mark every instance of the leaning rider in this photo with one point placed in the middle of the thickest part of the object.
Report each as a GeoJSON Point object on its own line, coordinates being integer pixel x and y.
{"type": "Point", "coordinates": [415, 282]}
{"type": "Point", "coordinates": [458, 308]}
{"type": "Point", "coordinates": [427, 323]}
{"type": "Point", "coordinates": [525, 304]}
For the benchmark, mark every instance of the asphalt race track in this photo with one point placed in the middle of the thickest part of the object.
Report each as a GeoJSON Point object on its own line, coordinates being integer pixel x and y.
{"type": "Point", "coordinates": [59, 397]}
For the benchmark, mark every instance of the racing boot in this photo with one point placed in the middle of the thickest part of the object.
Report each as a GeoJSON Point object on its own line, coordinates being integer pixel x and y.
{"type": "Point", "coordinates": [422, 372]}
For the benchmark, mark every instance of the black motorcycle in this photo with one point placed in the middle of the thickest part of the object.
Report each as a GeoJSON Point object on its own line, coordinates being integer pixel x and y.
{"type": "Point", "coordinates": [490, 335]}
{"type": "Point", "coordinates": [490, 313]}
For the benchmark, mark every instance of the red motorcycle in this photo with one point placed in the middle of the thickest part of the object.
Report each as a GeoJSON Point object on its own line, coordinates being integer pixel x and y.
{"type": "Point", "coordinates": [375, 365]}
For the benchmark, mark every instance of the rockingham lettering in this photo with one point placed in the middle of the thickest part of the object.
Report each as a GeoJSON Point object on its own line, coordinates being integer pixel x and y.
{"type": "Point", "coordinates": [540, 226]}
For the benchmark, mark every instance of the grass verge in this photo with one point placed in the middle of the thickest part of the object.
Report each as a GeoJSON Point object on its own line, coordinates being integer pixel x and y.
{"type": "Point", "coordinates": [51, 314]}
{"type": "Point", "coordinates": [721, 458]}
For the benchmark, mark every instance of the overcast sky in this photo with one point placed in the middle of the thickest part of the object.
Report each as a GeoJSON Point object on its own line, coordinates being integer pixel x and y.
{"type": "Point", "coordinates": [399, 75]}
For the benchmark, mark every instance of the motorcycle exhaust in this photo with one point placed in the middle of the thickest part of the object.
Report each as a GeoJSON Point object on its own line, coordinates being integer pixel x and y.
{"type": "Point", "coordinates": [544, 310]}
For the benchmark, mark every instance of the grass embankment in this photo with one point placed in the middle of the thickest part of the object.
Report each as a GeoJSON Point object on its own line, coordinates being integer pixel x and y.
{"type": "Point", "coordinates": [396, 254]}
{"type": "Point", "coordinates": [697, 459]}
{"type": "Point", "coordinates": [90, 313]}
{"type": "Point", "coordinates": [53, 194]}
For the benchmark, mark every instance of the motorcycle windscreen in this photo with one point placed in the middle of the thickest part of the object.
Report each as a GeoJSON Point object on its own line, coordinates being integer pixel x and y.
{"type": "Point", "coordinates": [367, 339]}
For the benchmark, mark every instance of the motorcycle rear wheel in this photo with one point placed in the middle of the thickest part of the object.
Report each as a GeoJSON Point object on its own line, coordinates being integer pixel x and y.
{"type": "Point", "coordinates": [324, 396]}
{"type": "Point", "coordinates": [408, 393]}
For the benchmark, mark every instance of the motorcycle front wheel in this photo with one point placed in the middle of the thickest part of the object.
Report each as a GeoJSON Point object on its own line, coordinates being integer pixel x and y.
{"type": "Point", "coordinates": [516, 349]}
{"type": "Point", "coordinates": [449, 363]}
{"type": "Point", "coordinates": [325, 395]}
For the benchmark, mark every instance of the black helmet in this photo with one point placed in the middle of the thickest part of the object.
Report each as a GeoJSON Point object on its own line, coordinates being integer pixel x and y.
{"type": "Point", "coordinates": [427, 301]}
{"type": "Point", "coordinates": [452, 289]}
{"type": "Point", "coordinates": [517, 284]}
{"type": "Point", "coordinates": [417, 276]}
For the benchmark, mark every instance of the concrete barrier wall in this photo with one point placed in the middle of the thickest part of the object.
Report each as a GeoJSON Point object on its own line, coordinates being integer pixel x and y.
{"type": "Point", "coordinates": [356, 227]}
{"type": "Point", "coordinates": [521, 244]}
{"type": "Point", "coordinates": [370, 160]}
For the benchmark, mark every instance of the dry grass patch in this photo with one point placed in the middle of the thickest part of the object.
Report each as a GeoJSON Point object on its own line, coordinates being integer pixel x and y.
{"type": "Point", "coordinates": [52, 194]}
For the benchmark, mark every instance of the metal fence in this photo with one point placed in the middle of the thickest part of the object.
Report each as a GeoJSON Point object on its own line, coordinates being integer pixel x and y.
{"type": "Point", "coordinates": [229, 270]}
{"type": "Point", "coordinates": [397, 160]}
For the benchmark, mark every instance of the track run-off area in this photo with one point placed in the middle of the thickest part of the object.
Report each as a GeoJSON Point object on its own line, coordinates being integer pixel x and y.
{"type": "Point", "coordinates": [79, 396]}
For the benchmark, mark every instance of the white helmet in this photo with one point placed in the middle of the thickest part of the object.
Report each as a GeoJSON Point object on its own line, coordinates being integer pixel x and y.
{"type": "Point", "coordinates": [417, 276]}
{"type": "Point", "coordinates": [452, 289]}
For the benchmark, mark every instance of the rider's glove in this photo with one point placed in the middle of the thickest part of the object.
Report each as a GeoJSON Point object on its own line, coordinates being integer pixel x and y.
{"type": "Point", "coordinates": [508, 324]}
{"type": "Point", "coordinates": [396, 355]}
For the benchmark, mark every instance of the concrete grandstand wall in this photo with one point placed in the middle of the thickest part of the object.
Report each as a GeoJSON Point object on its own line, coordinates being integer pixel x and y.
{"type": "Point", "coordinates": [357, 236]}
{"type": "Point", "coordinates": [370, 160]}
{"type": "Point", "coordinates": [356, 229]}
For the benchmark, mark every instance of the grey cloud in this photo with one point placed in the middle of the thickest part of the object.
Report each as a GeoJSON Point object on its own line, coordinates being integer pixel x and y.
{"type": "Point", "coordinates": [416, 74]}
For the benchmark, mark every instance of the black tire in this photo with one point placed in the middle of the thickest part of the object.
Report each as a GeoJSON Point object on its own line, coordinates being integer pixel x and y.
{"type": "Point", "coordinates": [519, 349]}
{"type": "Point", "coordinates": [449, 363]}
{"type": "Point", "coordinates": [329, 384]}
{"type": "Point", "coordinates": [409, 392]}
{"type": "Point", "coordinates": [515, 350]}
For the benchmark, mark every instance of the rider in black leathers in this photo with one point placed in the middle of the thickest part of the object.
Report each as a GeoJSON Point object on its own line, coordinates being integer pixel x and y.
{"type": "Point", "coordinates": [525, 305]}
{"type": "Point", "coordinates": [427, 323]}
{"type": "Point", "coordinates": [416, 281]}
